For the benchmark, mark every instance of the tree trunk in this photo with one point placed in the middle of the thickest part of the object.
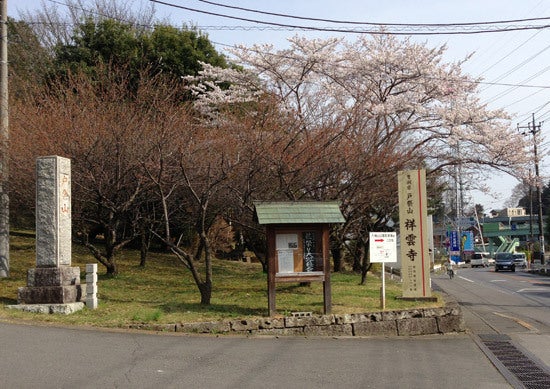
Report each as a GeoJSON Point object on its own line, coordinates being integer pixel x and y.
{"type": "Point", "coordinates": [337, 258]}
{"type": "Point", "coordinates": [365, 267]}
{"type": "Point", "coordinates": [106, 259]}
{"type": "Point", "coordinates": [261, 256]}
{"type": "Point", "coordinates": [144, 249]}
{"type": "Point", "coordinates": [200, 248]}
{"type": "Point", "coordinates": [357, 257]}
{"type": "Point", "coordinates": [206, 292]}
{"type": "Point", "coordinates": [363, 277]}
{"type": "Point", "coordinates": [112, 268]}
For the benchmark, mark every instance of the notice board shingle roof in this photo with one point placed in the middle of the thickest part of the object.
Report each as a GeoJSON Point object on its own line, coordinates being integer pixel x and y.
{"type": "Point", "coordinates": [311, 212]}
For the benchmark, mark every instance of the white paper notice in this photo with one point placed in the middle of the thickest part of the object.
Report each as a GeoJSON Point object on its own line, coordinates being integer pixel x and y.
{"type": "Point", "coordinates": [286, 260]}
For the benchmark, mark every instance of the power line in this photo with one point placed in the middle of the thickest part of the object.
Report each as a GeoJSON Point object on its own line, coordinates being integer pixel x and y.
{"type": "Point", "coordinates": [509, 90]}
{"type": "Point", "coordinates": [412, 30]}
{"type": "Point", "coordinates": [521, 85]}
{"type": "Point", "coordinates": [370, 23]}
{"type": "Point", "coordinates": [511, 52]}
{"type": "Point", "coordinates": [517, 67]}
{"type": "Point", "coordinates": [524, 98]}
{"type": "Point", "coordinates": [525, 117]}
{"type": "Point", "coordinates": [506, 41]}
{"type": "Point", "coordinates": [478, 82]}
{"type": "Point", "coordinates": [544, 115]}
{"type": "Point", "coordinates": [512, 86]}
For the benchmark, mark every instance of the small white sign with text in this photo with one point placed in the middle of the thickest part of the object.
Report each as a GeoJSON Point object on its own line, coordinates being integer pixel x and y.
{"type": "Point", "coordinates": [383, 247]}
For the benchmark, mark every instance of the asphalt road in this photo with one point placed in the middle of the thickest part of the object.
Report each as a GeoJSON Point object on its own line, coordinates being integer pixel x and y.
{"type": "Point", "coordinates": [513, 305]}
{"type": "Point", "coordinates": [512, 308]}
{"type": "Point", "coordinates": [491, 295]}
{"type": "Point", "coordinates": [49, 357]}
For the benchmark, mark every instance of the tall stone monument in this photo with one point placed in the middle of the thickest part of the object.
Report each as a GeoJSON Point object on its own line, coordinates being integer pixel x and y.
{"type": "Point", "coordinates": [54, 280]}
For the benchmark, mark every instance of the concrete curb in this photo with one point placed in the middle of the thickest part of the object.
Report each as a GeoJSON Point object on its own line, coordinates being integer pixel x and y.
{"type": "Point", "coordinates": [64, 309]}
{"type": "Point", "coordinates": [539, 269]}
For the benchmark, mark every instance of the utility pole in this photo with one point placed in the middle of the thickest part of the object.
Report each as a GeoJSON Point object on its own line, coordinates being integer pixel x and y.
{"type": "Point", "coordinates": [4, 146]}
{"type": "Point", "coordinates": [531, 235]}
{"type": "Point", "coordinates": [534, 129]}
{"type": "Point", "coordinates": [459, 187]}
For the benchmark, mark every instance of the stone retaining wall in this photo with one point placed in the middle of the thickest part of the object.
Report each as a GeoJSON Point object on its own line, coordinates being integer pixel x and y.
{"type": "Point", "coordinates": [424, 321]}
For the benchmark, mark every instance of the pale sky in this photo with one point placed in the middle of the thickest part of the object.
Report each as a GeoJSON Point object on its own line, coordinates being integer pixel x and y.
{"type": "Point", "coordinates": [515, 57]}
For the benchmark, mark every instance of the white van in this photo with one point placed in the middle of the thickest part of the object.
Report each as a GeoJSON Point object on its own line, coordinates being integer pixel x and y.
{"type": "Point", "coordinates": [480, 259]}
{"type": "Point", "coordinates": [520, 260]}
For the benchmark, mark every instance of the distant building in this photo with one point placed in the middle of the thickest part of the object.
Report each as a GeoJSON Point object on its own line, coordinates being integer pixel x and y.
{"type": "Point", "coordinates": [512, 212]}
{"type": "Point", "coordinates": [504, 230]}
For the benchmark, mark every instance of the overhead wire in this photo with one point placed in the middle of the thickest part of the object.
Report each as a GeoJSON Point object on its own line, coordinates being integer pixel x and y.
{"type": "Point", "coordinates": [495, 50]}
{"type": "Point", "coordinates": [399, 29]}
{"type": "Point", "coordinates": [544, 115]}
{"type": "Point", "coordinates": [385, 31]}
{"type": "Point", "coordinates": [369, 23]}
{"type": "Point", "coordinates": [388, 29]}
{"type": "Point", "coordinates": [424, 25]}
{"type": "Point", "coordinates": [527, 116]}
{"type": "Point", "coordinates": [381, 28]}
{"type": "Point", "coordinates": [512, 86]}
{"type": "Point", "coordinates": [514, 51]}
{"type": "Point", "coordinates": [521, 64]}
{"type": "Point", "coordinates": [524, 98]}
{"type": "Point", "coordinates": [520, 85]}
{"type": "Point", "coordinates": [511, 89]}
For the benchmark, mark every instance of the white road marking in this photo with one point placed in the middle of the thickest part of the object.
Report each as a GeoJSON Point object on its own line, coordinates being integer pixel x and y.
{"type": "Point", "coordinates": [531, 289]}
{"type": "Point", "coordinates": [466, 279]}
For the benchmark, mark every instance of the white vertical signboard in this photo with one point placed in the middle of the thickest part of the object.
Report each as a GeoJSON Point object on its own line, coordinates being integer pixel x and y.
{"type": "Point", "coordinates": [383, 248]}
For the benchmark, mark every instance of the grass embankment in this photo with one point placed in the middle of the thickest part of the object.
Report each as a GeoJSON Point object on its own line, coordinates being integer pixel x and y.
{"type": "Point", "coordinates": [164, 292]}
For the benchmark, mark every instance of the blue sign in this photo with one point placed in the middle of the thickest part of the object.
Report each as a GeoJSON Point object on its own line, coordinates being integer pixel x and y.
{"type": "Point", "coordinates": [455, 242]}
{"type": "Point", "coordinates": [467, 241]}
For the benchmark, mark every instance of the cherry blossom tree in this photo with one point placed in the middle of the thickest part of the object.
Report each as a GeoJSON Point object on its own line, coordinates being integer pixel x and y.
{"type": "Point", "coordinates": [386, 104]}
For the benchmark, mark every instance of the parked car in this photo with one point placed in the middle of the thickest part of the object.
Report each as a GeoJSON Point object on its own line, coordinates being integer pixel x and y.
{"type": "Point", "coordinates": [504, 261]}
{"type": "Point", "coordinates": [480, 259]}
{"type": "Point", "coordinates": [520, 260]}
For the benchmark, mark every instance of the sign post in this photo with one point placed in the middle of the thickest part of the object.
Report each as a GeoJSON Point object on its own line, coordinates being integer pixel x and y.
{"type": "Point", "coordinates": [413, 229]}
{"type": "Point", "coordinates": [383, 248]}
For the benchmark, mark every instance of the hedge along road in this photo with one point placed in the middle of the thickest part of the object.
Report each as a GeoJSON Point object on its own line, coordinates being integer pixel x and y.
{"type": "Point", "coordinates": [62, 357]}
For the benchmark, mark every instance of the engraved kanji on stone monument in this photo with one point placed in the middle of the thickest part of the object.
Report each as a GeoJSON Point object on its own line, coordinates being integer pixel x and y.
{"type": "Point", "coordinates": [53, 211]}
{"type": "Point", "coordinates": [53, 281]}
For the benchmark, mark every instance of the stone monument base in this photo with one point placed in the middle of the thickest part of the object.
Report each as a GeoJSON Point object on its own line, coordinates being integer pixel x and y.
{"type": "Point", "coordinates": [51, 285]}
{"type": "Point", "coordinates": [64, 309]}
